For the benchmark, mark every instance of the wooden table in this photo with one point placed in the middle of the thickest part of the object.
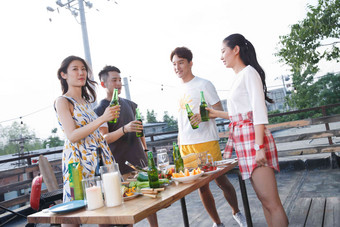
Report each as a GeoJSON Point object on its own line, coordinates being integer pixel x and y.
{"type": "Point", "coordinates": [133, 211]}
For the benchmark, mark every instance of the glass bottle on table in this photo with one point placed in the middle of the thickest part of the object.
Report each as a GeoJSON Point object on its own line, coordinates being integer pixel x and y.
{"type": "Point", "coordinates": [203, 112]}
{"type": "Point", "coordinates": [179, 164]}
{"type": "Point", "coordinates": [190, 114]}
{"type": "Point", "coordinates": [139, 118]}
{"type": "Point", "coordinates": [114, 102]}
{"type": "Point", "coordinates": [99, 161]}
{"type": "Point", "coordinates": [152, 172]}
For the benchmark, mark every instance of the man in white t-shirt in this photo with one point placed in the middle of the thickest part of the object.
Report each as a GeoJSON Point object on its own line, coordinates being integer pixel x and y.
{"type": "Point", "coordinates": [205, 137]}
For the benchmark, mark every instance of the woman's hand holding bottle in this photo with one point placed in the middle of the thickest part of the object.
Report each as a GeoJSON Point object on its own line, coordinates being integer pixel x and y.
{"type": "Point", "coordinates": [111, 113]}
{"type": "Point", "coordinates": [217, 113]}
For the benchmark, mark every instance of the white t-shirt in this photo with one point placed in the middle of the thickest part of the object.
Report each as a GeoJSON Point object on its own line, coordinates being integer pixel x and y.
{"type": "Point", "coordinates": [247, 95]}
{"type": "Point", "coordinates": [190, 93]}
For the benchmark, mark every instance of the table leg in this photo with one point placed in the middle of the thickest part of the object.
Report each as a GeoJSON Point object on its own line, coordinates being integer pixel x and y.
{"type": "Point", "coordinates": [245, 200]}
{"type": "Point", "coordinates": [184, 212]}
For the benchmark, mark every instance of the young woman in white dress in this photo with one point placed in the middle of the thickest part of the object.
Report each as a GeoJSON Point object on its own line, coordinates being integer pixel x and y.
{"type": "Point", "coordinates": [253, 143]}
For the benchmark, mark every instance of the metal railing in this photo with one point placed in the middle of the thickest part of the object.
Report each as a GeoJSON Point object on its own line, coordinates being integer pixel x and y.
{"type": "Point", "coordinates": [30, 170]}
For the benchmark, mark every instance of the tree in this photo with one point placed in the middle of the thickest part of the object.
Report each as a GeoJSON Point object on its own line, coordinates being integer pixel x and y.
{"type": "Point", "coordinates": [328, 90]}
{"type": "Point", "coordinates": [11, 135]}
{"type": "Point", "coordinates": [151, 116]}
{"type": "Point", "coordinates": [53, 140]}
{"type": "Point", "coordinates": [314, 39]}
{"type": "Point", "coordinates": [172, 122]}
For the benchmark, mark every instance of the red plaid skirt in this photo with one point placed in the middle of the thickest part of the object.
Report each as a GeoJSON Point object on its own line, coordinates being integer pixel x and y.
{"type": "Point", "coordinates": [242, 138]}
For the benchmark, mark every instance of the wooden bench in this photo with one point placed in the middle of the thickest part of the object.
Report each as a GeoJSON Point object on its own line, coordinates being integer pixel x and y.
{"type": "Point", "coordinates": [316, 212]}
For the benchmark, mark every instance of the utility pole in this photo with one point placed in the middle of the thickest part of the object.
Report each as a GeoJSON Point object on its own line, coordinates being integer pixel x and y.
{"type": "Point", "coordinates": [74, 10]}
{"type": "Point", "coordinates": [22, 141]}
{"type": "Point", "coordinates": [126, 86]}
{"type": "Point", "coordinates": [84, 33]}
{"type": "Point", "coordinates": [284, 85]}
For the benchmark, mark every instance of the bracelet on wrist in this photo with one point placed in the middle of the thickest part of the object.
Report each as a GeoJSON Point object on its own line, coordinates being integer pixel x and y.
{"type": "Point", "coordinates": [123, 130]}
{"type": "Point", "coordinates": [146, 150]}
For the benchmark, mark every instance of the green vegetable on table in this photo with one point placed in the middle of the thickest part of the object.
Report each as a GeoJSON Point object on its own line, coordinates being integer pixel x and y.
{"type": "Point", "coordinates": [142, 176]}
{"type": "Point", "coordinates": [145, 184]}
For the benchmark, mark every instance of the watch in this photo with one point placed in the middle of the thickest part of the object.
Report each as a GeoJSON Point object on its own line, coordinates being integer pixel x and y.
{"type": "Point", "coordinates": [258, 147]}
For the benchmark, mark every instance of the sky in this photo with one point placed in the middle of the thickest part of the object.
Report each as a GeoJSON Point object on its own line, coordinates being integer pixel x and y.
{"type": "Point", "coordinates": [137, 36]}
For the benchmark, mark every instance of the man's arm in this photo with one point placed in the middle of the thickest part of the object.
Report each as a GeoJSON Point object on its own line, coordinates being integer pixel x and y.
{"type": "Point", "coordinates": [133, 126]}
{"type": "Point", "coordinates": [111, 137]}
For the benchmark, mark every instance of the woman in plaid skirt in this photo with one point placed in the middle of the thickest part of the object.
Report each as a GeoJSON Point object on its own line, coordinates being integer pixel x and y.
{"type": "Point", "coordinates": [253, 142]}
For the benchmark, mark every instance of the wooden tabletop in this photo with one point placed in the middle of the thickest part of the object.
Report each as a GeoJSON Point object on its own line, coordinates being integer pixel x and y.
{"type": "Point", "coordinates": [130, 212]}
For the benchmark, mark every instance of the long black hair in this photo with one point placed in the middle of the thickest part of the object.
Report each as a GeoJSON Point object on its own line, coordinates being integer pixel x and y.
{"type": "Point", "coordinates": [87, 91]}
{"type": "Point", "coordinates": [248, 56]}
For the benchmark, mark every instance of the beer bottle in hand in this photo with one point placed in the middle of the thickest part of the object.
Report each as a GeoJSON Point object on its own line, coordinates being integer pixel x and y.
{"type": "Point", "coordinates": [204, 113]}
{"type": "Point", "coordinates": [114, 102]}
{"type": "Point", "coordinates": [152, 172]}
{"type": "Point", "coordinates": [139, 118]}
{"type": "Point", "coordinates": [179, 164]}
{"type": "Point", "coordinates": [190, 114]}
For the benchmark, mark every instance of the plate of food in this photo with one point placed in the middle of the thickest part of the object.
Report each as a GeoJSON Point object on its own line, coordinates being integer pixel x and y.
{"type": "Point", "coordinates": [129, 193]}
{"type": "Point", "coordinates": [187, 177]}
{"type": "Point", "coordinates": [212, 170]}
{"type": "Point", "coordinates": [68, 206]}
{"type": "Point", "coordinates": [134, 195]}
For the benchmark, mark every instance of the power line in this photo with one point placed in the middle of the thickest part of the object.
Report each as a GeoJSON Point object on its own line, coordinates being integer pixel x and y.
{"type": "Point", "coordinates": [20, 117]}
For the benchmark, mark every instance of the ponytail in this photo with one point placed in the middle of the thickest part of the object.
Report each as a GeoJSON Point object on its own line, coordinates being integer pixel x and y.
{"type": "Point", "coordinates": [248, 56]}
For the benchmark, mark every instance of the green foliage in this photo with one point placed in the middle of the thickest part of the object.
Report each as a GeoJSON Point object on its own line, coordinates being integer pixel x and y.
{"type": "Point", "coordinates": [328, 89]}
{"type": "Point", "coordinates": [311, 40]}
{"type": "Point", "coordinates": [53, 140]}
{"type": "Point", "coordinates": [11, 135]}
{"type": "Point", "coordinates": [172, 122]}
{"type": "Point", "coordinates": [151, 116]}
{"type": "Point", "coordinates": [325, 91]}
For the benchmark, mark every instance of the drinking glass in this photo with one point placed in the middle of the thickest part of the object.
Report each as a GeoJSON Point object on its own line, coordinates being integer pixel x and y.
{"type": "Point", "coordinates": [92, 193]}
{"type": "Point", "coordinates": [204, 158]}
{"type": "Point", "coordinates": [162, 159]}
{"type": "Point", "coordinates": [112, 185]}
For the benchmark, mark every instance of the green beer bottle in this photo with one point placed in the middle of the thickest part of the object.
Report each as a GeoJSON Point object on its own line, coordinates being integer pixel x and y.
{"type": "Point", "coordinates": [204, 113]}
{"type": "Point", "coordinates": [152, 172]}
{"type": "Point", "coordinates": [179, 164]}
{"type": "Point", "coordinates": [174, 152]}
{"type": "Point", "coordinates": [139, 118]}
{"type": "Point", "coordinates": [114, 102]}
{"type": "Point", "coordinates": [190, 114]}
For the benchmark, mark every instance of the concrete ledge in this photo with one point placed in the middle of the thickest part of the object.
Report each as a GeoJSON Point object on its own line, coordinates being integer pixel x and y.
{"type": "Point", "coordinates": [310, 162]}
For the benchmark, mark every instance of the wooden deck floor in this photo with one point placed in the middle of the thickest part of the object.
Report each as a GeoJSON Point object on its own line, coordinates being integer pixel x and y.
{"type": "Point", "coordinates": [317, 211]}
{"type": "Point", "coordinates": [294, 187]}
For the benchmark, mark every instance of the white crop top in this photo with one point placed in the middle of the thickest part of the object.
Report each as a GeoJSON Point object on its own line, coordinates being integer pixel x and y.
{"type": "Point", "coordinates": [247, 95]}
